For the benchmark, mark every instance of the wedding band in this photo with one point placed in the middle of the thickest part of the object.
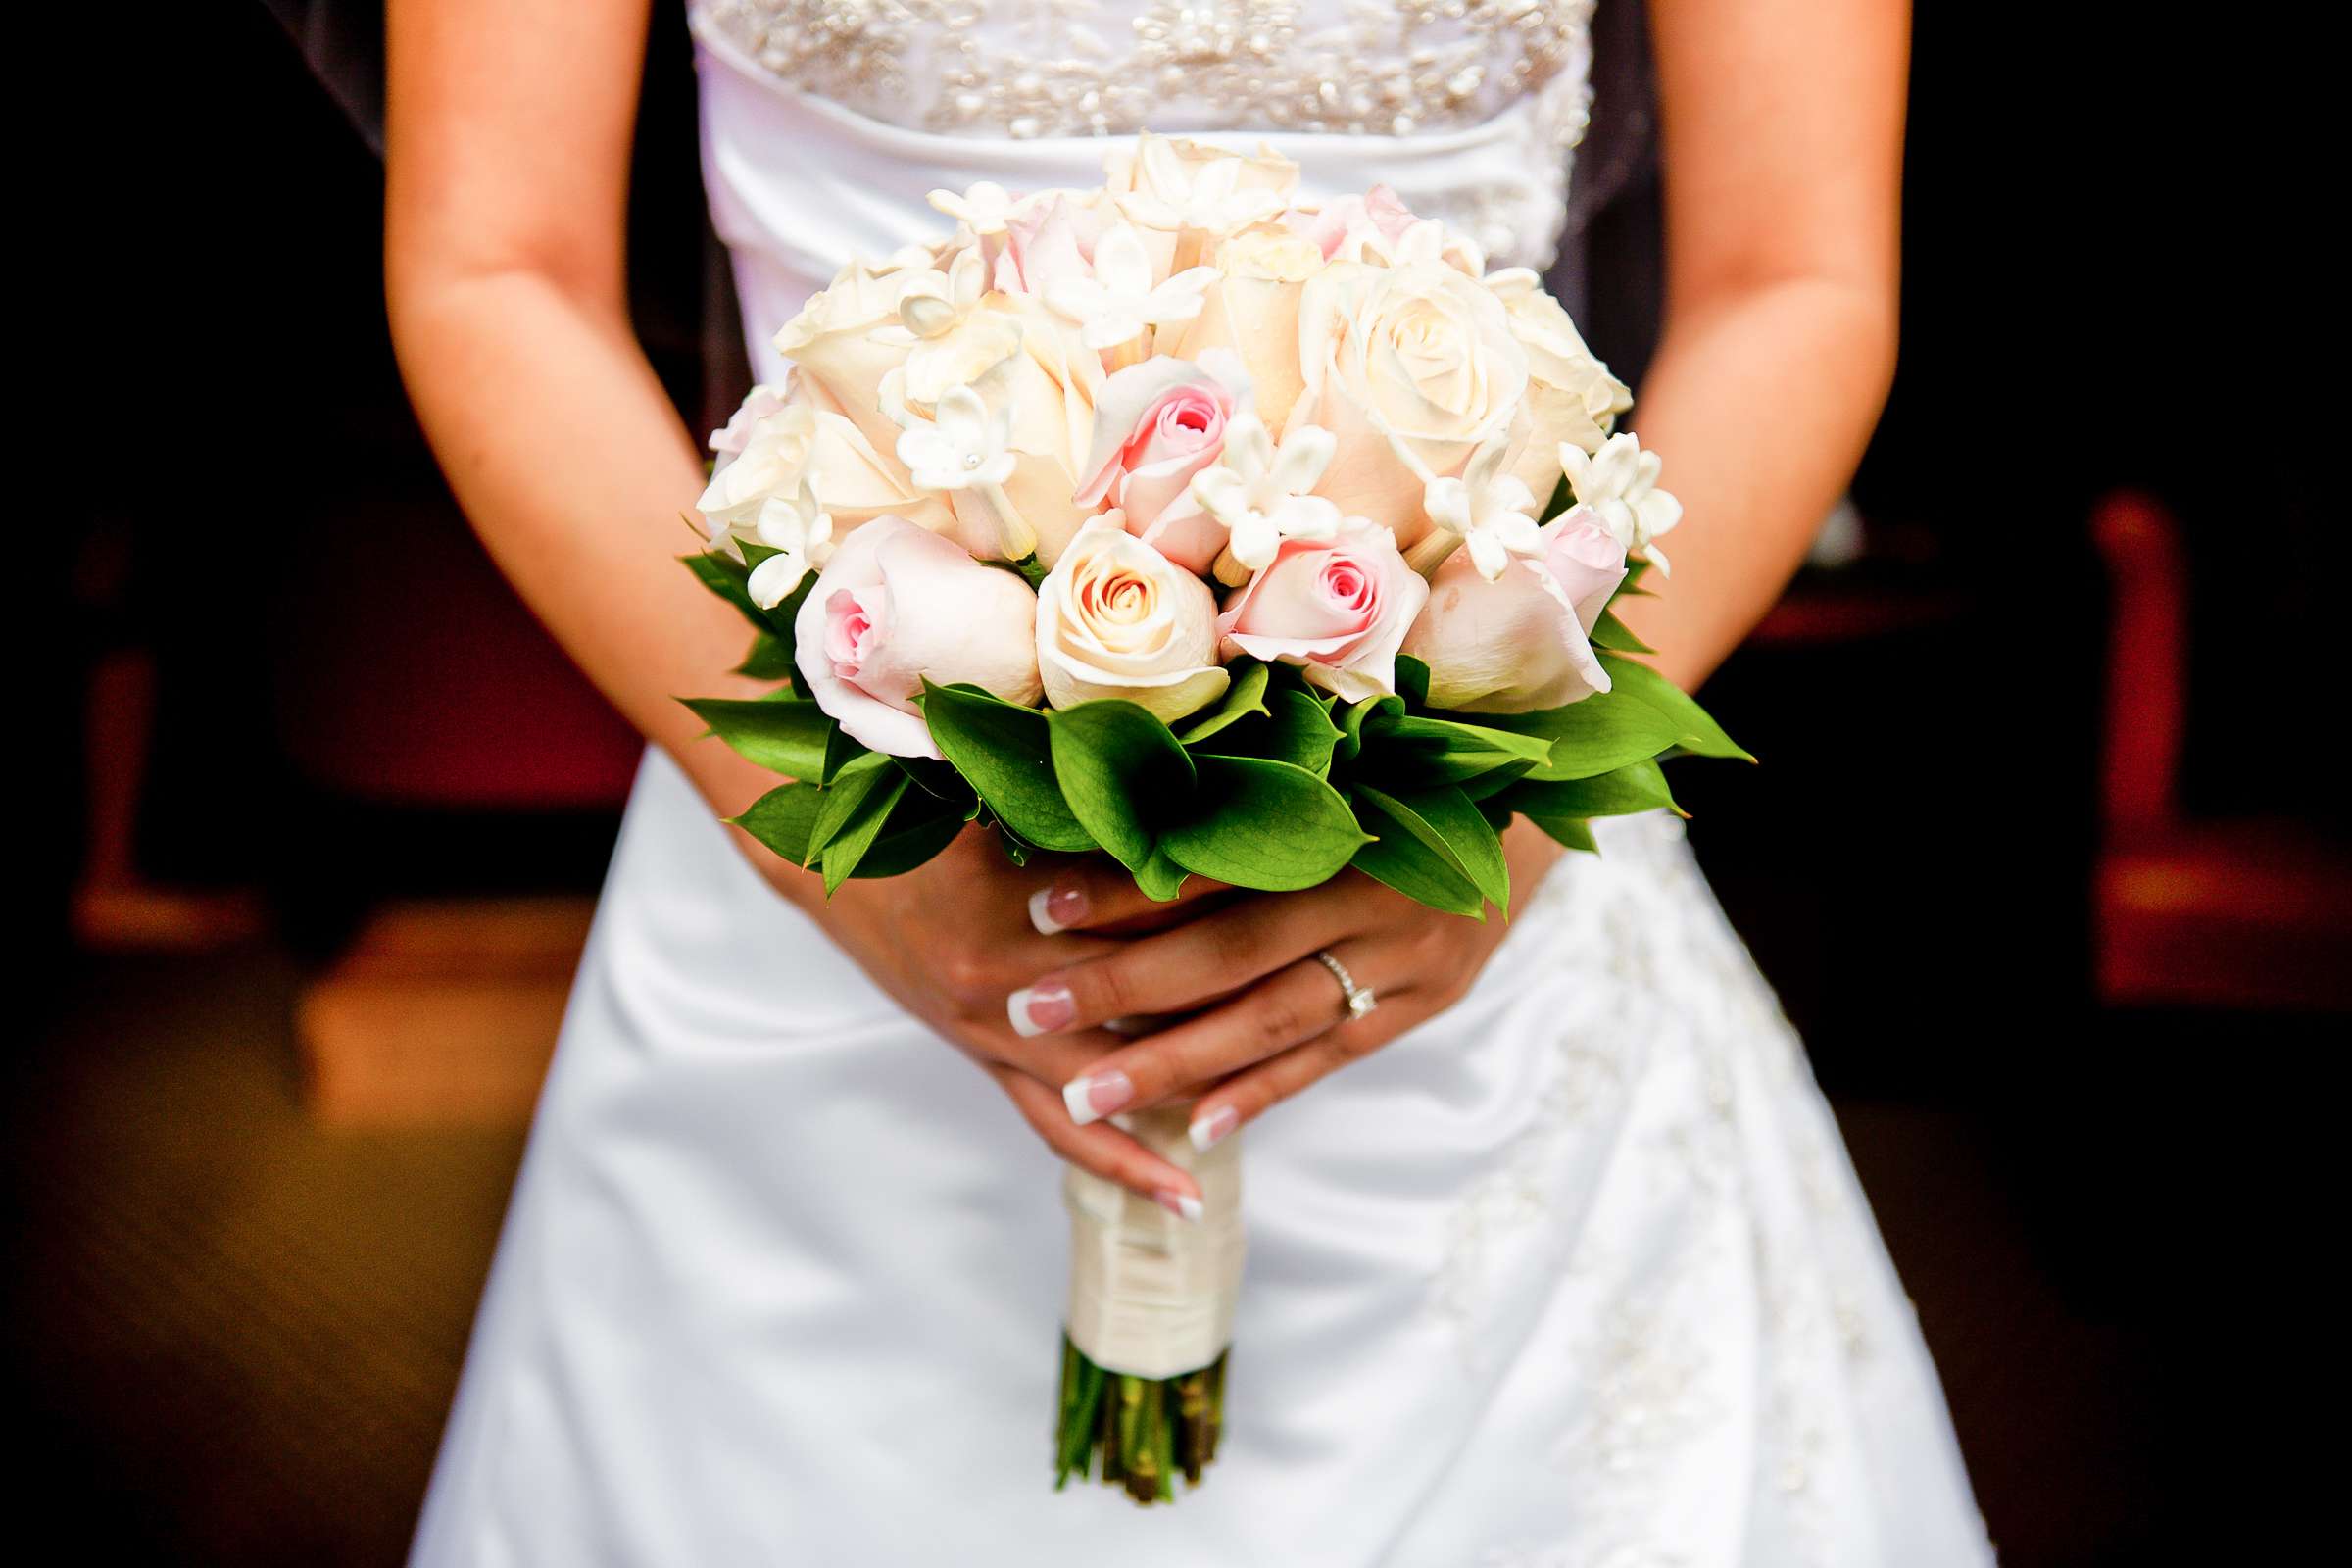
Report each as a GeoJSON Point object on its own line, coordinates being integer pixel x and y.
{"type": "Point", "coordinates": [1360, 999]}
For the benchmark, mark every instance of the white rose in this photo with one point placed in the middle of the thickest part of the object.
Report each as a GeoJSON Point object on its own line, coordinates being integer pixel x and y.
{"type": "Point", "coordinates": [1117, 619]}
{"type": "Point", "coordinates": [778, 451]}
{"type": "Point", "coordinates": [1571, 396]}
{"type": "Point", "coordinates": [833, 341]}
{"type": "Point", "coordinates": [1412, 368]}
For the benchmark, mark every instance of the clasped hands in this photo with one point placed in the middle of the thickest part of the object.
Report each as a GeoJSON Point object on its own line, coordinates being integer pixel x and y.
{"type": "Point", "coordinates": [1024, 967]}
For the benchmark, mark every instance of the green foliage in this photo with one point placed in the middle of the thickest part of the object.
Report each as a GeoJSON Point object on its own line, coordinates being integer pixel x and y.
{"type": "Point", "coordinates": [1006, 753]}
{"type": "Point", "coordinates": [1244, 694]}
{"type": "Point", "coordinates": [1433, 845]}
{"type": "Point", "coordinates": [1636, 787]}
{"type": "Point", "coordinates": [1276, 787]}
{"type": "Point", "coordinates": [1267, 825]}
{"type": "Point", "coordinates": [1122, 775]}
{"type": "Point", "coordinates": [782, 734]}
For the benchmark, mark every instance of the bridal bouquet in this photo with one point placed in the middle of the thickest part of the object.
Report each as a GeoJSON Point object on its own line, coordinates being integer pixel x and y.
{"type": "Point", "coordinates": [1195, 522]}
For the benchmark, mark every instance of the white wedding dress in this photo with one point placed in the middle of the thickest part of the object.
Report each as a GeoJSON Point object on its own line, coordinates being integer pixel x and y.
{"type": "Point", "coordinates": [1576, 1274]}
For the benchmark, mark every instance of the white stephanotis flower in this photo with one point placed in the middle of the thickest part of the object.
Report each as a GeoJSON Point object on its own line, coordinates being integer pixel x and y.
{"type": "Point", "coordinates": [1620, 483]}
{"type": "Point", "coordinates": [985, 205]}
{"type": "Point", "coordinates": [1259, 492]}
{"type": "Point", "coordinates": [801, 532]}
{"type": "Point", "coordinates": [1172, 193]}
{"type": "Point", "coordinates": [1115, 305]}
{"type": "Point", "coordinates": [962, 446]}
{"type": "Point", "coordinates": [1489, 511]}
{"type": "Point", "coordinates": [965, 449]}
{"type": "Point", "coordinates": [951, 336]}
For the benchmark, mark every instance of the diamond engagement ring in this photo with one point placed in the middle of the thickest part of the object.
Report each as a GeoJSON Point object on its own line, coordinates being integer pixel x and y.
{"type": "Point", "coordinates": [1360, 999]}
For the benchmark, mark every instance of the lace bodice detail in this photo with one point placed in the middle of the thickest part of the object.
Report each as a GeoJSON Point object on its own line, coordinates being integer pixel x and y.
{"type": "Point", "coordinates": [1023, 68]}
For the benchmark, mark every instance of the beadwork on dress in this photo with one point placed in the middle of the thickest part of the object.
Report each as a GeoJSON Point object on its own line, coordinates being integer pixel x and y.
{"type": "Point", "coordinates": [1074, 68]}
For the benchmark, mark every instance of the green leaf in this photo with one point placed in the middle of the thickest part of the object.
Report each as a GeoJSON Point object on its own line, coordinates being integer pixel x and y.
{"type": "Point", "coordinates": [1275, 827]}
{"type": "Point", "coordinates": [1004, 752]}
{"type": "Point", "coordinates": [1601, 734]}
{"type": "Point", "coordinates": [782, 734]}
{"type": "Point", "coordinates": [844, 797]}
{"type": "Point", "coordinates": [1406, 856]}
{"type": "Point", "coordinates": [1610, 632]}
{"type": "Point", "coordinates": [921, 826]}
{"type": "Point", "coordinates": [1635, 570]}
{"type": "Point", "coordinates": [1568, 831]}
{"type": "Point", "coordinates": [1413, 680]}
{"type": "Point", "coordinates": [1411, 751]}
{"type": "Point", "coordinates": [842, 854]}
{"type": "Point", "coordinates": [1244, 694]}
{"type": "Point", "coordinates": [1354, 717]}
{"type": "Point", "coordinates": [1159, 877]}
{"type": "Point", "coordinates": [1636, 787]}
{"type": "Point", "coordinates": [782, 818]}
{"type": "Point", "coordinates": [1694, 731]}
{"type": "Point", "coordinates": [1446, 821]}
{"type": "Point", "coordinates": [1121, 773]}
{"type": "Point", "coordinates": [726, 577]}
{"type": "Point", "coordinates": [841, 750]}
{"type": "Point", "coordinates": [1296, 729]}
{"type": "Point", "coordinates": [770, 658]}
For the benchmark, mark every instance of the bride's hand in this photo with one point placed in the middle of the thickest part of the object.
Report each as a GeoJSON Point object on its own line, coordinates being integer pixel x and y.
{"type": "Point", "coordinates": [947, 940]}
{"type": "Point", "coordinates": [1288, 1028]}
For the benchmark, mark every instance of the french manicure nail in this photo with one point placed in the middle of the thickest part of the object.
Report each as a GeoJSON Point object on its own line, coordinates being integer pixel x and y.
{"type": "Point", "coordinates": [1093, 1098]}
{"type": "Point", "coordinates": [1056, 908]}
{"type": "Point", "coordinates": [1206, 1132]}
{"type": "Point", "coordinates": [1184, 1206]}
{"type": "Point", "coordinates": [1041, 1010]}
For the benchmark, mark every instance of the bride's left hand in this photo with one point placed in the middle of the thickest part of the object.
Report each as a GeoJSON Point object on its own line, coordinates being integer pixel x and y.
{"type": "Point", "coordinates": [1257, 1045]}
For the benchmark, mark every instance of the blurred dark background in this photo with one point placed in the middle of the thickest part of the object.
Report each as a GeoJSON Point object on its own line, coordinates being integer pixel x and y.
{"type": "Point", "coordinates": [2045, 858]}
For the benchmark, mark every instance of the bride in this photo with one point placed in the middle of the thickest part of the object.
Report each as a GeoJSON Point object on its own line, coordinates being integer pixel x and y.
{"type": "Point", "coordinates": [1567, 1266]}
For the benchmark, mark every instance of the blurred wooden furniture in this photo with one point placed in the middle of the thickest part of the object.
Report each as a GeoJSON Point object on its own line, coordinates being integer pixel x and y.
{"type": "Point", "coordinates": [435, 693]}
{"type": "Point", "coordinates": [441, 1012]}
{"type": "Point", "coordinates": [2226, 913]}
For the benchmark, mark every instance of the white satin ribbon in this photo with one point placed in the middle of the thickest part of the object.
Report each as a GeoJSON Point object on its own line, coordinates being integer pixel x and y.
{"type": "Point", "coordinates": [1151, 1294]}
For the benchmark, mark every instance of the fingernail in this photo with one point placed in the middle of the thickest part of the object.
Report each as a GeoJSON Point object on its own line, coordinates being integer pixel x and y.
{"type": "Point", "coordinates": [1093, 1098]}
{"type": "Point", "coordinates": [1041, 1010]}
{"type": "Point", "coordinates": [1056, 908]}
{"type": "Point", "coordinates": [1206, 1132]}
{"type": "Point", "coordinates": [1184, 1206]}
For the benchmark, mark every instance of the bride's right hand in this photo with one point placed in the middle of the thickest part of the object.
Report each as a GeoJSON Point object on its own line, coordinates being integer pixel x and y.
{"type": "Point", "coordinates": [949, 940]}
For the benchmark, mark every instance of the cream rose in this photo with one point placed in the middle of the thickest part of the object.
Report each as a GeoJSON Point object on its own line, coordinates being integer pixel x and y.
{"type": "Point", "coordinates": [1253, 309]}
{"type": "Point", "coordinates": [833, 341]}
{"type": "Point", "coordinates": [1336, 608]}
{"type": "Point", "coordinates": [1521, 642]}
{"type": "Point", "coordinates": [1412, 368]}
{"type": "Point", "coordinates": [1571, 396]}
{"type": "Point", "coordinates": [1117, 619]}
{"type": "Point", "coordinates": [775, 447]}
{"type": "Point", "coordinates": [897, 603]}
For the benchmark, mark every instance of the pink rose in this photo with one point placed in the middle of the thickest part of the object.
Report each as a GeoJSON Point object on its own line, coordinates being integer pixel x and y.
{"type": "Point", "coordinates": [1522, 642]}
{"type": "Point", "coordinates": [1336, 608]}
{"type": "Point", "coordinates": [1046, 240]}
{"type": "Point", "coordinates": [898, 603]}
{"type": "Point", "coordinates": [1379, 210]}
{"type": "Point", "coordinates": [1157, 424]}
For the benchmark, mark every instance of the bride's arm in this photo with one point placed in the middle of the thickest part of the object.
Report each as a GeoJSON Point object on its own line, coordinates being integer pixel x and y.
{"type": "Point", "coordinates": [509, 131]}
{"type": "Point", "coordinates": [1782, 138]}
{"type": "Point", "coordinates": [1784, 125]}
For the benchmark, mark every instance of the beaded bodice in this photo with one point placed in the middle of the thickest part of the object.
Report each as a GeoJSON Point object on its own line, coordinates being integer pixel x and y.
{"type": "Point", "coordinates": [1023, 68]}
